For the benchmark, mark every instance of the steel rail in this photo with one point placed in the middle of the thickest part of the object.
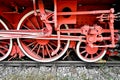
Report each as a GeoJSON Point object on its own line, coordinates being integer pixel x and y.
{"type": "Point", "coordinates": [59, 64]}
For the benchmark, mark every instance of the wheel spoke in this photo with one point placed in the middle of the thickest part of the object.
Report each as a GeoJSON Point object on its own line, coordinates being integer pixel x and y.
{"type": "Point", "coordinates": [97, 53]}
{"type": "Point", "coordinates": [43, 51]}
{"type": "Point", "coordinates": [2, 53]}
{"type": "Point", "coordinates": [4, 42]}
{"type": "Point", "coordinates": [37, 22]}
{"type": "Point", "coordinates": [26, 27]}
{"type": "Point", "coordinates": [31, 23]}
{"type": "Point", "coordinates": [91, 56]}
{"type": "Point", "coordinates": [38, 49]}
{"type": "Point", "coordinates": [34, 47]}
{"type": "Point", "coordinates": [86, 55]}
{"type": "Point", "coordinates": [53, 44]}
{"type": "Point", "coordinates": [31, 44]}
{"type": "Point", "coordinates": [51, 47]}
{"type": "Point", "coordinates": [48, 51]}
{"type": "Point", "coordinates": [83, 52]}
{"type": "Point", "coordinates": [4, 48]}
{"type": "Point", "coordinates": [82, 47]}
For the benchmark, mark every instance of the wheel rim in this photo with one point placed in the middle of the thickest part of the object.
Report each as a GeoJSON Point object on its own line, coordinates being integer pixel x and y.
{"type": "Point", "coordinates": [6, 44]}
{"type": "Point", "coordinates": [36, 49]}
{"type": "Point", "coordinates": [88, 54]}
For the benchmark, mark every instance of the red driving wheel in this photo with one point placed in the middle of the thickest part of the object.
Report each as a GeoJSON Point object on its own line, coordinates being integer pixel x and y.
{"type": "Point", "coordinates": [90, 54]}
{"type": "Point", "coordinates": [40, 49]}
{"type": "Point", "coordinates": [6, 44]}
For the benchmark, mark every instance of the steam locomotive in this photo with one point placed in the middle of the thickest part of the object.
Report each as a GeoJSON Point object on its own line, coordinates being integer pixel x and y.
{"type": "Point", "coordinates": [43, 30]}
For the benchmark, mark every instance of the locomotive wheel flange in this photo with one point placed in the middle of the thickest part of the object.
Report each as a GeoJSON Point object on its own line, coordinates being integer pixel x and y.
{"type": "Point", "coordinates": [40, 49]}
{"type": "Point", "coordinates": [5, 44]}
{"type": "Point", "coordinates": [90, 54]}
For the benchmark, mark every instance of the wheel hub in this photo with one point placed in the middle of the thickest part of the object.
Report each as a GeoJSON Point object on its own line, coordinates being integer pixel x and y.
{"type": "Point", "coordinates": [91, 50]}
{"type": "Point", "coordinates": [42, 42]}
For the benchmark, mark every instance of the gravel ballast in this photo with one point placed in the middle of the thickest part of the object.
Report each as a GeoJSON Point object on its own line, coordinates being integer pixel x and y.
{"type": "Point", "coordinates": [59, 73]}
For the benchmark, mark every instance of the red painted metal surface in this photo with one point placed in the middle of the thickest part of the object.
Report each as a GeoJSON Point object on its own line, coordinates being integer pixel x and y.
{"type": "Point", "coordinates": [45, 29]}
